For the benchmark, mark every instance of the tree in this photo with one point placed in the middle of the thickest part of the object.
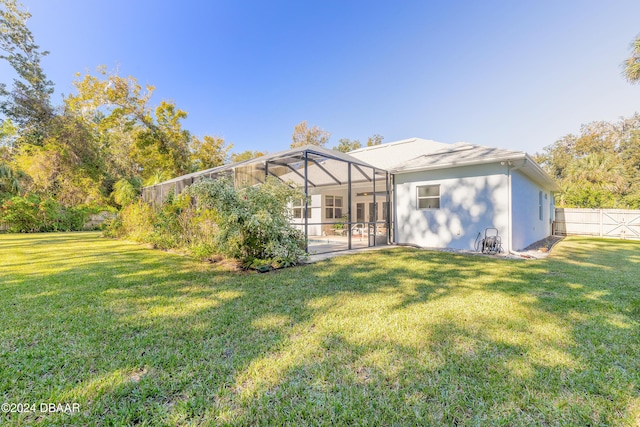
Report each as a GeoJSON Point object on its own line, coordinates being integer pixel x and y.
{"type": "Point", "coordinates": [113, 108]}
{"type": "Point", "coordinates": [376, 139]}
{"type": "Point", "coordinates": [594, 180]}
{"type": "Point", "coordinates": [28, 102]}
{"type": "Point", "coordinates": [209, 152]}
{"type": "Point", "coordinates": [137, 140]}
{"type": "Point", "coordinates": [162, 144]}
{"type": "Point", "coordinates": [632, 64]}
{"type": "Point", "coordinates": [303, 135]}
{"type": "Point", "coordinates": [603, 169]}
{"type": "Point", "coordinates": [246, 155]}
{"type": "Point", "coordinates": [67, 164]}
{"type": "Point", "coordinates": [345, 145]}
{"type": "Point", "coordinates": [600, 167]}
{"type": "Point", "coordinates": [8, 134]}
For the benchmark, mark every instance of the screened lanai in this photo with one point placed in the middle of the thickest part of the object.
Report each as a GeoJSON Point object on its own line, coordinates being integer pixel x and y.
{"type": "Point", "coordinates": [348, 202]}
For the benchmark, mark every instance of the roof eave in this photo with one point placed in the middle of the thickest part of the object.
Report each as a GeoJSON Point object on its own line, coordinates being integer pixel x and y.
{"type": "Point", "coordinates": [473, 162]}
{"type": "Point", "coordinates": [539, 175]}
{"type": "Point", "coordinates": [528, 166]}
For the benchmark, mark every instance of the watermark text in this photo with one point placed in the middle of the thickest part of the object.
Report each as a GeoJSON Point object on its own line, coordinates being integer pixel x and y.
{"type": "Point", "coordinates": [42, 407]}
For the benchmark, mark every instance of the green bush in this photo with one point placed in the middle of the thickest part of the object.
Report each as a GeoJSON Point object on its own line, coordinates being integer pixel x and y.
{"type": "Point", "coordinates": [250, 225]}
{"type": "Point", "coordinates": [134, 221]}
{"type": "Point", "coordinates": [21, 214]}
{"type": "Point", "coordinates": [31, 213]}
{"type": "Point", "coordinates": [177, 224]}
{"type": "Point", "coordinates": [587, 195]}
{"type": "Point", "coordinates": [254, 223]}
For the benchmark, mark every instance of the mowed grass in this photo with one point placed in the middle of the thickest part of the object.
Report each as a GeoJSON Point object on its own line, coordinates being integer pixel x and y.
{"type": "Point", "coordinates": [392, 337]}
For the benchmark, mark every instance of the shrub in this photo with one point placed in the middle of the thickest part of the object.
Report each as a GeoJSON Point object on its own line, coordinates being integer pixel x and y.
{"type": "Point", "coordinates": [250, 225]}
{"type": "Point", "coordinates": [254, 223]}
{"type": "Point", "coordinates": [31, 213]}
{"type": "Point", "coordinates": [21, 214]}
{"type": "Point", "coordinates": [134, 221]}
{"type": "Point", "coordinates": [175, 224]}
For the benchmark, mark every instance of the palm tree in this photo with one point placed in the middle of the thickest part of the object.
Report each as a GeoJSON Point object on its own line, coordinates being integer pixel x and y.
{"type": "Point", "coordinates": [632, 64]}
{"type": "Point", "coordinates": [156, 178]}
{"type": "Point", "coordinates": [601, 169]}
{"type": "Point", "coordinates": [9, 180]}
{"type": "Point", "coordinates": [126, 191]}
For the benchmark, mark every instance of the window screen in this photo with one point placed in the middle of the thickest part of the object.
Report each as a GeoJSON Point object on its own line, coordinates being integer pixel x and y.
{"type": "Point", "coordinates": [333, 207]}
{"type": "Point", "coordinates": [429, 197]}
{"type": "Point", "coordinates": [298, 209]}
{"type": "Point", "coordinates": [540, 205]}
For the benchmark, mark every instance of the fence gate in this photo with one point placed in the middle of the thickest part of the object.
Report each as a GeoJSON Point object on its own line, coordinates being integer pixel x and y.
{"type": "Point", "coordinates": [618, 223]}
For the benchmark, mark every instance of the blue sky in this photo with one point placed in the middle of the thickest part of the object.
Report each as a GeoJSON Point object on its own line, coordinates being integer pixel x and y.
{"type": "Point", "coordinates": [509, 74]}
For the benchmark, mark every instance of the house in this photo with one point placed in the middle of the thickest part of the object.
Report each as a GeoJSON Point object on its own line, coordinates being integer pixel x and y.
{"type": "Point", "coordinates": [413, 191]}
{"type": "Point", "coordinates": [444, 195]}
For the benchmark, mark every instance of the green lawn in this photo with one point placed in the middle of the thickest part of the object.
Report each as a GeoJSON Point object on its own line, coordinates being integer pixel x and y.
{"type": "Point", "coordinates": [393, 337]}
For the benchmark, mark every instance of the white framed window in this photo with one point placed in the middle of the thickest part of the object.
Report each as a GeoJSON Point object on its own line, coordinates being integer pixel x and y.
{"type": "Point", "coordinates": [540, 212]}
{"type": "Point", "coordinates": [333, 207]}
{"type": "Point", "coordinates": [373, 212]}
{"type": "Point", "coordinates": [298, 209]}
{"type": "Point", "coordinates": [428, 196]}
{"type": "Point", "coordinates": [359, 212]}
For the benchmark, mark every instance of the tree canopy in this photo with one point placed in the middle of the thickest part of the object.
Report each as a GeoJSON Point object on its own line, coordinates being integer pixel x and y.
{"type": "Point", "coordinates": [599, 167]}
{"type": "Point", "coordinates": [345, 145]}
{"type": "Point", "coordinates": [209, 152]}
{"type": "Point", "coordinates": [138, 139]}
{"type": "Point", "coordinates": [305, 135]}
{"type": "Point", "coordinates": [102, 141]}
{"type": "Point", "coordinates": [246, 155]}
{"type": "Point", "coordinates": [632, 64]}
{"type": "Point", "coordinates": [376, 139]}
{"type": "Point", "coordinates": [27, 103]}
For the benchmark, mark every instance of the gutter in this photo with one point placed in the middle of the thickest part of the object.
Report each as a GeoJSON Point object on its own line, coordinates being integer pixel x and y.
{"type": "Point", "coordinates": [530, 168]}
{"type": "Point", "coordinates": [456, 164]}
{"type": "Point", "coordinates": [510, 210]}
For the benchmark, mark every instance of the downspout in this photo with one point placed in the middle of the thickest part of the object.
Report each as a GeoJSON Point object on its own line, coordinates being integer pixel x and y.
{"type": "Point", "coordinates": [375, 212]}
{"type": "Point", "coordinates": [392, 210]}
{"type": "Point", "coordinates": [349, 217]}
{"type": "Point", "coordinates": [306, 201]}
{"type": "Point", "coordinates": [510, 210]}
{"type": "Point", "coordinates": [388, 179]}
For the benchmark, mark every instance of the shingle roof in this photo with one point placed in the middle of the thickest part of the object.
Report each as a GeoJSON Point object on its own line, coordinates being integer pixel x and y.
{"type": "Point", "coordinates": [463, 154]}
{"type": "Point", "coordinates": [387, 156]}
{"type": "Point", "coordinates": [458, 154]}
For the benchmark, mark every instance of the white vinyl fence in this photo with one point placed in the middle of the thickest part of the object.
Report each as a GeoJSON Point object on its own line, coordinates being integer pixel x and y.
{"type": "Point", "coordinates": [618, 223]}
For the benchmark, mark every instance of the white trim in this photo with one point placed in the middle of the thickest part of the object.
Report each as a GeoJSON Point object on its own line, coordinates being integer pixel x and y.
{"type": "Point", "coordinates": [509, 211]}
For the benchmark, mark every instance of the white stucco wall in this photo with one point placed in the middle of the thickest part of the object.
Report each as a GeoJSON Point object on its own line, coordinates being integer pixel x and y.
{"type": "Point", "coordinates": [472, 198]}
{"type": "Point", "coordinates": [527, 225]}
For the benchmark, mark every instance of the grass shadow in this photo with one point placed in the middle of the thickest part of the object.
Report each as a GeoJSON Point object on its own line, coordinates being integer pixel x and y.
{"type": "Point", "coordinates": [399, 336]}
